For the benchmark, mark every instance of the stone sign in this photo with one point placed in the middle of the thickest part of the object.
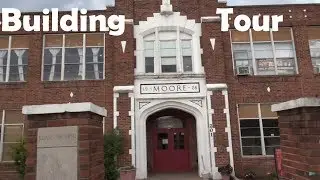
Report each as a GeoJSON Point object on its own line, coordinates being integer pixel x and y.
{"type": "Point", "coordinates": [169, 88]}
{"type": "Point", "coordinates": [57, 153]}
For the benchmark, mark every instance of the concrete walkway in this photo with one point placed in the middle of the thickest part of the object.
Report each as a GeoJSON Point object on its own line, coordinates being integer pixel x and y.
{"type": "Point", "coordinates": [182, 176]}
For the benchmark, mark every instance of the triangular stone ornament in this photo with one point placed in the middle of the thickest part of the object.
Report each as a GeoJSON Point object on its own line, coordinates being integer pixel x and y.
{"type": "Point", "coordinates": [123, 45]}
{"type": "Point", "coordinates": [213, 42]}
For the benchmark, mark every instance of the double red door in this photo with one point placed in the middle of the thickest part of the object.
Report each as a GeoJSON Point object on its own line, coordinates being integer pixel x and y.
{"type": "Point", "coordinates": [171, 150]}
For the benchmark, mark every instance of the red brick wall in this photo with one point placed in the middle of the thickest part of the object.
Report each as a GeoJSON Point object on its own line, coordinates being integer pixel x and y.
{"type": "Point", "coordinates": [119, 70]}
{"type": "Point", "coordinates": [299, 142]}
{"type": "Point", "coordinates": [8, 171]}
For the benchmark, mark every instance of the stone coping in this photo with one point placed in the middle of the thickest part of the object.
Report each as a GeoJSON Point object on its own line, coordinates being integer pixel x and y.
{"type": "Point", "coordinates": [297, 103]}
{"type": "Point", "coordinates": [61, 108]}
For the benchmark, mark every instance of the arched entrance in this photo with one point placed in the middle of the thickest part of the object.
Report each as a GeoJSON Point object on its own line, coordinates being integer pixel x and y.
{"type": "Point", "coordinates": [171, 141]}
{"type": "Point", "coordinates": [202, 136]}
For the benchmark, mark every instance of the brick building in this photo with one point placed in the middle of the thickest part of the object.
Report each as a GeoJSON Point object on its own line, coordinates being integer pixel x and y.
{"type": "Point", "coordinates": [185, 95]}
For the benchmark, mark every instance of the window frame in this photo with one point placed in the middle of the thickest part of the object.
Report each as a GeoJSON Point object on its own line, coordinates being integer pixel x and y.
{"type": "Point", "coordinates": [262, 136]}
{"type": "Point", "coordinates": [312, 57]}
{"type": "Point", "coordinates": [253, 65]}
{"type": "Point", "coordinates": [63, 48]}
{"type": "Point", "coordinates": [3, 124]}
{"type": "Point", "coordinates": [9, 50]}
{"type": "Point", "coordinates": [157, 48]}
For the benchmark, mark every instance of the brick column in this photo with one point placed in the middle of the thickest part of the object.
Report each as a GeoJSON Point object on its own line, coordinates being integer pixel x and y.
{"type": "Point", "coordinates": [86, 118]}
{"type": "Point", "coordinates": [299, 122]}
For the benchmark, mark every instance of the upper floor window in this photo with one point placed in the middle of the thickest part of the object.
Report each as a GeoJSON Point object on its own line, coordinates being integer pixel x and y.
{"type": "Point", "coordinates": [259, 129]}
{"type": "Point", "coordinates": [264, 53]}
{"type": "Point", "coordinates": [168, 52]}
{"type": "Point", "coordinates": [11, 132]}
{"type": "Point", "coordinates": [13, 58]}
{"type": "Point", "coordinates": [73, 57]}
{"type": "Point", "coordinates": [314, 43]}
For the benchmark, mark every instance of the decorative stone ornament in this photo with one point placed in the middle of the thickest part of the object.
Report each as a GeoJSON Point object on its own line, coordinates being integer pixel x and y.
{"type": "Point", "coordinates": [166, 8]}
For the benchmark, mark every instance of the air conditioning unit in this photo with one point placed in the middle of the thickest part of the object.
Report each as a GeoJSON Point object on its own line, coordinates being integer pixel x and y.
{"type": "Point", "coordinates": [243, 70]}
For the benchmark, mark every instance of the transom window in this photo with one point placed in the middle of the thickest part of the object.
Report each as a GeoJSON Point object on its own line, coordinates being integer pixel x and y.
{"type": "Point", "coordinates": [13, 58]}
{"type": "Point", "coordinates": [259, 129]}
{"type": "Point", "coordinates": [73, 57]}
{"type": "Point", "coordinates": [314, 43]}
{"type": "Point", "coordinates": [11, 132]}
{"type": "Point", "coordinates": [168, 52]}
{"type": "Point", "coordinates": [264, 53]}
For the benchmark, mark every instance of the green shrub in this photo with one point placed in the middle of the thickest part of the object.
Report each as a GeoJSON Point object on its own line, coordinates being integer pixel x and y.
{"type": "Point", "coordinates": [113, 147]}
{"type": "Point", "coordinates": [19, 156]}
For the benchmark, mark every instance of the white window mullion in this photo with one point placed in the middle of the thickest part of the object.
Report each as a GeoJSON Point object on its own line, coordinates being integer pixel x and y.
{"type": "Point", "coordinates": [157, 56]}
{"type": "Point", "coordinates": [261, 131]}
{"type": "Point", "coordinates": [274, 53]}
{"type": "Point", "coordinates": [43, 49]}
{"type": "Point", "coordinates": [254, 65]}
{"type": "Point", "coordinates": [179, 62]}
{"type": "Point", "coordinates": [294, 52]}
{"type": "Point", "coordinates": [2, 134]}
{"type": "Point", "coordinates": [84, 57]}
{"type": "Point", "coordinates": [8, 59]}
{"type": "Point", "coordinates": [104, 56]}
{"type": "Point", "coordinates": [63, 57]}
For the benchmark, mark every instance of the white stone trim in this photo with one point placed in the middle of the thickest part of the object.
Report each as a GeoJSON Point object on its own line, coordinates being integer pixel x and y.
{"type": "Point", "coordinates": [128, 21]}
{"type": "Point", "coordinates": [132, 131]}
{"type": "Point", "coordinates": [162, 22]}
{"type": "Point", "coordinates": [297, 103]}
{"type": "Point", "coordinates": [208, 19]}
{"type": "Point", "coordinates": [214, 87]}
{"type": "Point", "coordinates": [61, 108]}
{"type": "Point", "coordinates": [115, 110]}
{"type": "Point", "coordinates": [223, 1]}
{"type": "Point", "coordinates": [123, 89]}
{"type": "Point", "coordinates": [213, 149]}
{"type": "Point", "coordinates": [228, 128]}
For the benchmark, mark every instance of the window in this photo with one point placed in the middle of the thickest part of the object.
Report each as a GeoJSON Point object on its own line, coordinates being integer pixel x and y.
{"type": "Point", "coordinates": [314, 43]}
{"type": "Point", "coordinates": [73, 57]}
{"type": "Point", "coordinates": [11, 132]}
{"type": "Point", "coordinates": [168, 54]}
{"type": "Point", "coordinates": [259, 130]}
{"type": "Point", "coordinates": [167, 51]}
{"type": "Point", "coordinates": [13, 58]}
{"type": "Point", "coordinates": [264, 53]}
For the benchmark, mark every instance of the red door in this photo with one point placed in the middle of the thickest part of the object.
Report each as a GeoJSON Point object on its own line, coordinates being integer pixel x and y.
{"type": "Point", "coordinates": [171, 151]}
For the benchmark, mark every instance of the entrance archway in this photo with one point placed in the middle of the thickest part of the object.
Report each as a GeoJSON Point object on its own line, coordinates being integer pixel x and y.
{"type": "Point", "coordinates": [201, 117]}
{"type": "Point", "coordinates": [171, 141]}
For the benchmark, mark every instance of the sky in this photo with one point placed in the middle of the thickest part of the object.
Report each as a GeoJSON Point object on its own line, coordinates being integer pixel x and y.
{"type": "Point", "coordinates": [39, 5]}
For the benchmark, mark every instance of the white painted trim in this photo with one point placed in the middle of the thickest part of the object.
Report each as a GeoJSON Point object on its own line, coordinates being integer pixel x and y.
{"type": "Point", "coordinates": [63, 57]}
{"type": "Point", "coordinates": [84, 39]}
{"type": "Point", "coordinates": [263, 146]}
{"type": "Point", "coordinates": [61, 108]}
{"type": "Point", "coordinates": [297, 103]}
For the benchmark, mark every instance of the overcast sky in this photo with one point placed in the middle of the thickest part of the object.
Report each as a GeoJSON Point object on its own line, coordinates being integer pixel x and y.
{"type": "Point", "coordinates": [38, 5]}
